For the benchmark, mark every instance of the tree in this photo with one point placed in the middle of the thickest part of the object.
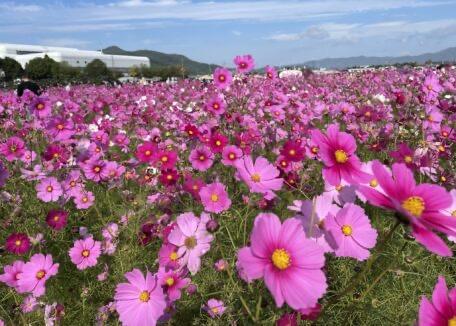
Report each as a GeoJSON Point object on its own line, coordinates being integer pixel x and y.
{"type": "Point", "coordinates": [97, 70]}
{"type": "Point", "coordinates": [41, 68]}
{"type": "Point", "coordinates": [135, 72]}
{"type": "Point", "coordinates": [11, 68]}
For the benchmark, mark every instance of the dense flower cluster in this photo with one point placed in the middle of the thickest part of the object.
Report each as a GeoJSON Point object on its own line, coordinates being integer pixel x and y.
{"type": "Point", "coordinates": [159, 170]}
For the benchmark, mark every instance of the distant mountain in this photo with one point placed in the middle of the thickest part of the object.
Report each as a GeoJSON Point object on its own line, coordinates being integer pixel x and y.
{"type": "Point", "coordinates": [340, 63]}
{"type": "Point", "coordinates": [159, 59]}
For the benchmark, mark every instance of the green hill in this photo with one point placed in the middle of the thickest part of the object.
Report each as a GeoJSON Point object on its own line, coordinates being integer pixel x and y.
{"type": "Point", "coordinates": [159, 59]}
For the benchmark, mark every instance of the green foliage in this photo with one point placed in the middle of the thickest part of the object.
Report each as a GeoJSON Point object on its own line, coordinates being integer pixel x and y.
{"type": "Point", "coordinates": [41, 68]}
{"type": "Point", "coordinates": [162, 72]}
{"type": "Point", "coordinates": [97, 70]}
{"type": "Point", "coordinates": [11, 68]}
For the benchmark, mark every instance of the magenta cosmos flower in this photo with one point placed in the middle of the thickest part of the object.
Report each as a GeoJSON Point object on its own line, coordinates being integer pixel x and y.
{"type": "Point", "coordinates": [13, 148]}
{"type": "Point", "coordinates": [215, 198]}
{"type": "Point", "coordinates": [172, 283]}
{"type": "Point", "coordinates": [244, 63]}
{"type": "Point", "coordinates": [17, 243]}
{"type": "Point", "coordinates": [41, 107]}
{"type": "Point", "coordinates": [140, 302]}
{"type": "Point", "coordinates": [441, 311]}
{"type": "Point", "coordinates": [337, 151]}
{"type": "Point", "coordinates": [271, 72]}
{"type": "Point", "coordinates": [146, 152]}
{"type": "Point", "coordinates": [12, 273]}
{"type": "Point", "coordinates": [201, 158]}
{"type": "Point", "coordinates": [419, 204]}
{"type": "Point", "coordinates": [49, 189]}
{"type": "Point", "coordinates": [261, 176]}
{"type": "Point", "coordinates": [35, 273]}
{"type": "Point", "coordinates": [352, 232]}
{"type": "Point", "coordinates": [289, 263]}
{"type": "Point", "coordinates": [192, 238]}
{"type": "Point", "coordinates": [230, 155]}
{"type": "Point", "coordinates": [57, 219]}
{"type": "Point", "coordinates": [85, 253]}
{"type": "Point", "coordinates": [222, 78]}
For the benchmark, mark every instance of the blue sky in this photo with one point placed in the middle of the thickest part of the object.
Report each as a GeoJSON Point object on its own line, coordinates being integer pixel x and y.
{"type": "Point", "coordinates": [274, 31]}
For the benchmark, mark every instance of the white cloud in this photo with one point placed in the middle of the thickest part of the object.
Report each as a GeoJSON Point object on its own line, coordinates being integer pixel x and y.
{"type": "Point", "coordinates": [65, 42]}
{"type": "Point", "coordinates": [13, 7]}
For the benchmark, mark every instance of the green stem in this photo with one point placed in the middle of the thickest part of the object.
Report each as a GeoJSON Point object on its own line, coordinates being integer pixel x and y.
{"type": "Point", "coordinates": [366, 268]}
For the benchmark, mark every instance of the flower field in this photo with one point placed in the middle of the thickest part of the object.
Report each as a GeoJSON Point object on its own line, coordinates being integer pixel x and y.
{"type": "Point", "coordinates": [252, 200]}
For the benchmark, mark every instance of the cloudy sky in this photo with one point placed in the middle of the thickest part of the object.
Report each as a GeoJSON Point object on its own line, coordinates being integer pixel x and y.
{"type": "Point", "coordinates": [275, 31]}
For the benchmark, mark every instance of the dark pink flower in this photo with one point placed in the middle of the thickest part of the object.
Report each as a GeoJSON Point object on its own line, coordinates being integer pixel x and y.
{"type": "Point", "coordinates": [17, 243]}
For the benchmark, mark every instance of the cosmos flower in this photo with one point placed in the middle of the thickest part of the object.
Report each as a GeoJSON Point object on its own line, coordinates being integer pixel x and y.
{"type": "Point", "coordinates": [41, 107]}
{"type": "Point", "coordinates": [222, 78]}
{"type": "Point", "coordinates": [289, 262]}
{"type": "Point", "coordinates": [337, 151]}
{"type": "Point", "coordinates": [85, 253]}
{"type": "Point", "coordinates": [145, 152]}
{"type": "Point", "coordinates": [230, 155]}
{"type": "Point", "coordinates": [12, 273]}
{"type": "Point", "coordinates": [49, 189]}
{"type": "Point", "coordinates": [215, 308]}
{"type": "Point", "coordinates": [261, 176]}
{"type": "Point", "coordinates": [270, 72]}
{"type": "Point", "coordinates": [244, 63]}
{"type": "Point", "coordinates": [17, 243]}
{"type": "Point", "coordinates": [293, 151]}
{"type": "Point", "coordinates": [201, 158]}
{"type": "Point", "coordinates": [441, 310]}
{"type": "Point", "coordinates": [13, 148]}
{"type": "Point", "coordinates": [84, 199]}
{"type": "Point", "coordinates": [215, 198]}
{"type": "Point", "coordinates": [192, 238]}
{"type": "Point", "coordinates": [420, 204]}
{"type": "Point", "coordinates": [172, 283]}
{"type": "Point", "coordinates": [141, 301]}
{"type": "Point", "coordinates": [35, 273]}
{"type": "Point", "coordinates": [351, 231]}
{"type": "Point", "coordinates": [218, 142]}
{"type": "Point", "coordinates": [57, 219]}
{"type": "Point", "coordinates": [168, 257]}
{"type": "Point", "coordinates": [216, 105]}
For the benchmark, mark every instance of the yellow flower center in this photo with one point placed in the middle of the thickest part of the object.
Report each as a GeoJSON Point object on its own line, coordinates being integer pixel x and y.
{"type": "Point", "coordinates": [13, 148]}
{"type": "Point", "coordinates": [144, 296]}
{"type": "Point", "coordinates": [169, 177]}
{"type": "Point", "coordinates": [18, 243]}
{"type": "Point", "coordinates": [173, 256]}
{"type": "Point", "coordinates": [231, 156]}
{"type": "Point", "coordinates": [170, 281]}
{"type": "Point", "coordinates": [60, 126]}
{"type": "Point", "coordinates": [195, 187]}
{"type": "Point", "coordinates": [56, 218]}
{"type": "Point", "coordinates": [40, 274]}
{"type": "Point", "coordinates": [341, 156]}
{"type": "Point", "coordinates": [40, 106]}
{"type": "Point", "coordinates": [147, 153]}
{"type": "Point", "coordinates": [49, 188]}
{"type": "Point", "coordinates": [414, 205]}
{"type": "Point", "coordinates": [408, 159]}
{"type": "Point", "coordinates": [97, 169]}
{"type": "Point", "coordinates": [315, 150]}
{"type": "Point", "coordinates": [453, 213]}
{"type": "Point", "coordinates": [164, 159]}
{"type": "Point", "coordinates": [281, 259]}
{"type": "Point", "coordinates": [85, 253]}
{"type": "Point", "coordinates": [202, 157]}
{"type": "Point", "coordinates": [373, 183]}
{"type": "Point", "coordinates": [452, 321]}
{"type": "Point", "coordinates": [215, 310]}
{"type": "Point", "coordinates": [222, 78]}
{"type": "Point", "coordinates": [190, 242]}
{"type": "Point", "coordinates": [85, 199]}
{"type": "Point", "coordinates": [292, 152]}
{"type": "Point", "coordinates": [216, 106]}
{"type": "Point", "coordinates": [214, 198]}
{"type": "Point", "coordinates": [339, 187]}
{"type": "Point", "coordinates": [347, 230]}
{"type": "Point", "coordinates": [218, 142]}
{"type": "Point", "coordinates": [255, 177]}
{"type": "Point", "coordinates": [441, 148]}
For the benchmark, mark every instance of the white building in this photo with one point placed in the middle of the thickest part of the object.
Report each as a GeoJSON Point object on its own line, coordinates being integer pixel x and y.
{"type": "Point", "coordinates": [74, 57]}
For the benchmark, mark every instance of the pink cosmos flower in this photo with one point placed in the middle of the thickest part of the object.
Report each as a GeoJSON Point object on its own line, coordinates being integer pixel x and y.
{"type": "Point", "coordinates": [166, 159]}
{"type": "Point", "coordinates": [289, 263]}
{"type": "Point", "coordinates": [192, 238]}
{"type": "Point", "coordinates": [337, 151]}
{"type": "Point", "coordinates": [85, 253]}
{"type": "Point", "coordinates": [244, 63]}
{"type": "Point", "coordinates": [140, 302]}
{"type": "Point", "coordinates": [60, 129]}
{"type": "Point", "coordinates": [222, 78]}
{"type": "Point", "coordinates": [41, 107]}
{"type": "Point", "coordinates": [431, 87]}
{"type": "Point", "coordinates": [441, 311]}
{"type": "Point", "coordinates": [49, 189]}
{"type": "Point", "coordinates": [215, 308]}
{"type": "Point", "coordinates": [218, 142]}
{"type": "Point", "coordinates": [13, 148]}
{"type": "Point", "coordinates": [230, 155]}
{"type": "Point", "coordinates": [35, 273]}
{"type": "Point", "coordinates": [404, 154]}
{"type": "Point", "coordinates": [420, 204]}
{"type": "Point", "coordinates": [216, 105]}
{"type": "Point", "coordinates": [172, 283]}
{"type": "Point", "coordinates": [168, 257]}
{"type": "Point", "coordinates": [271, 73]}
{"type": "Point", "coordinates": [29, 304]}
{"type": "Point", "coordinates": [312, 214]}
{"type": "Point", "coordinates": [201, 158]}
{"type": "Point", "coordinates": [95, 169]}
{"type": "Point", "coordinates": [17, 243]}
{"type": "Point", "coordinates": [261, 176]}
{"type": "Point", "coordinates": [215, 198]}
{"type": "Point", "coordinates": [12, 273]}
{"type": "Point", "coordinates": [84, 199]}
{"type": "Point", "coordinates": [146, 152]}
{"type": "Point", "coordinates": [352, 232]}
